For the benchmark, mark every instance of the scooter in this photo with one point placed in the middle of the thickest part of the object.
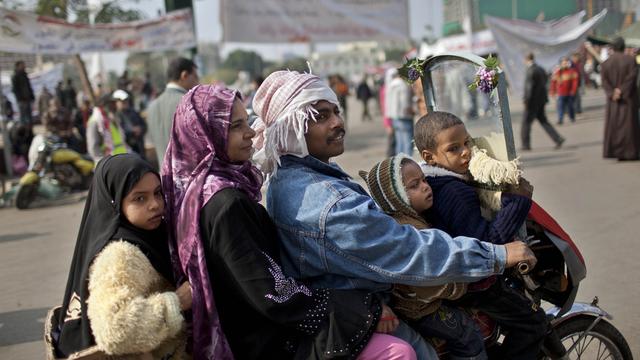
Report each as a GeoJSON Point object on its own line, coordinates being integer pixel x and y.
{"type": "Point", "coordinates": [57, 170]}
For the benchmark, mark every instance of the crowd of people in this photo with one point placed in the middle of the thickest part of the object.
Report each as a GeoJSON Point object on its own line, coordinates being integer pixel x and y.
{"type": "Point", "coordinates": [186, 262]}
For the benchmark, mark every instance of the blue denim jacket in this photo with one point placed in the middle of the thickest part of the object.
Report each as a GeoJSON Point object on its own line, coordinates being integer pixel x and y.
{"type": "Point", "coordinates": [334, 235]}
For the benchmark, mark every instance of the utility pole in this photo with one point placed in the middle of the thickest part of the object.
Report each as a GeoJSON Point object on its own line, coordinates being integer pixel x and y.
{"type": "Point", "coordinates": [171, 5]}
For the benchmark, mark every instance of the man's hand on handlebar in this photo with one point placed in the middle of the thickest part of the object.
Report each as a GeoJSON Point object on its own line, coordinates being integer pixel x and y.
{"type": "Point", "coordinates": [518, 252]}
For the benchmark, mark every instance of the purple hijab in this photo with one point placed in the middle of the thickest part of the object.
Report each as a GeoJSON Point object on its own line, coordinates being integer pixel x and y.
{"type": "Point", "coordinates": [196, 167]}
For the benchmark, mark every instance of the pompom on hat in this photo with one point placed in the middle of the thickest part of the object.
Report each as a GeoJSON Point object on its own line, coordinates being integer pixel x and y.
{"type": "Point", "coordinates": [385, 185]}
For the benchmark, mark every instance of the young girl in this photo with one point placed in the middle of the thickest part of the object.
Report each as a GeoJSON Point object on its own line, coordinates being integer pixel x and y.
{"type": "Point", "coordinates": [401, 190]}
{"type": "Point", "coordinates": [119, 299]}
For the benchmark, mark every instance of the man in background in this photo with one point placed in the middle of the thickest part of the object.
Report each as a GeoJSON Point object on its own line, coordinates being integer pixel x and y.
{"type": "Point", "coordinates": [183, 75]}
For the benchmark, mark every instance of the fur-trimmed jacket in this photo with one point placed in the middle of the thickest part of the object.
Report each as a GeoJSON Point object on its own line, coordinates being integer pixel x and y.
{"type": "Point", "coordinates": [134, 312]}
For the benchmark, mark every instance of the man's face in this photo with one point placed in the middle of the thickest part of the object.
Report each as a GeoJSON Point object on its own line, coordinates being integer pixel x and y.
{"type": "Point", "coordinates": [189, 79]}
{"type": "Point", "coordinates": [325, 136]}
{"type": "Point", "coordinates": [565, 63]}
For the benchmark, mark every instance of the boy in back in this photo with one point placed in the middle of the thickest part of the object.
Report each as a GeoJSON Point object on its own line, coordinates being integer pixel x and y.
{"type": "Point", "coordinates": [445, 146]}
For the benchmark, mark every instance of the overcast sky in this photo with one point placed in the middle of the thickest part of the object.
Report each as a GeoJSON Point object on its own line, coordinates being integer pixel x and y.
{"type": "Point", "coordinates": [208, 28]}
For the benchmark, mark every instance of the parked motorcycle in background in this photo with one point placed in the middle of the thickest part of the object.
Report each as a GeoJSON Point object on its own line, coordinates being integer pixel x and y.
{"type": "Point", "coordinates": [57, 170]}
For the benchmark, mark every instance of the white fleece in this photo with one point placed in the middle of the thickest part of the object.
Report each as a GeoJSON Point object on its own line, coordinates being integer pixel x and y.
{"type": "Point", "coordinates": [132, 308]}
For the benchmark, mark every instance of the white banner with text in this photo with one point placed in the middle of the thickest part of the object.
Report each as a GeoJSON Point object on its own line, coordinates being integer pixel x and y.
{"type": "Point", "coordinates": [24, 32]}
{"type": "Point", "coordinates": [285, 21]}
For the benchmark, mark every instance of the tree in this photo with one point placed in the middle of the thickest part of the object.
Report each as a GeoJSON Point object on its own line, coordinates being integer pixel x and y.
{"type": "Point", "coordinates": [297, 64]}
{"type": "Point", "coordinates": [248, 61]}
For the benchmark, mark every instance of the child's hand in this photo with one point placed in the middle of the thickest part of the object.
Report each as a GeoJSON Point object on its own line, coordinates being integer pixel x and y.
{"type": "Point", "coordinates": [184, 296]}
{"type": "Point", "coordinates": [388, 321]}
{"type": "Point", "coordinates": [524, 188]}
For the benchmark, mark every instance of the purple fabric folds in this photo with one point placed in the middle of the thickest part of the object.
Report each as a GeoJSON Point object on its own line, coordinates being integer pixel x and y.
{"type": "Point", "coordinates": [196, 167]}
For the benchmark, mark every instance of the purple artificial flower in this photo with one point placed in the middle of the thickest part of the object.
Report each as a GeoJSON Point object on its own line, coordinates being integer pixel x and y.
{"type": "Point", "coordinates": [413, 74]}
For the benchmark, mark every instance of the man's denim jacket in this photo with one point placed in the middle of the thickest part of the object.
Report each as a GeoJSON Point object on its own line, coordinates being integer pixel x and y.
{"type": "Point", "coordinates": [333, 234]}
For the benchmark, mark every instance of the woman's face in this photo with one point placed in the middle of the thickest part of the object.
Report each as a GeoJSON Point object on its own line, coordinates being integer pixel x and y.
{"type": "Point", "coordinates": [239, 144]}
{"type": "Point", "coordinates": [143, 206]}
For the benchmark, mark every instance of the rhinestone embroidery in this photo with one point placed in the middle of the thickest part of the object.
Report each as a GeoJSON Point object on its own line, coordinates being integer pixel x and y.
{"type": "Point", "coordinates": [285, 287]}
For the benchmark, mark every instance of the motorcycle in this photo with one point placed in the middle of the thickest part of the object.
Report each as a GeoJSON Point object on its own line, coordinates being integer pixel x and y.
{"type": "Point", "coordinates": [56, 170]}
{"type": "Point", "coordinates": [450, 83]}
{"type": "Point", "coordinates": [584, 329]}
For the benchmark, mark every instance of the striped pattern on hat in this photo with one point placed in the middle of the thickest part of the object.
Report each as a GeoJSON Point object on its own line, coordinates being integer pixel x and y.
{"type": "Point", "coordinates": [384, 181]}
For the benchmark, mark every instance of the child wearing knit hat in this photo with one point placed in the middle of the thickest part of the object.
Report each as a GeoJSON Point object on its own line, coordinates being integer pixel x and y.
{"type": "Point", "coordinates": [399, 187]}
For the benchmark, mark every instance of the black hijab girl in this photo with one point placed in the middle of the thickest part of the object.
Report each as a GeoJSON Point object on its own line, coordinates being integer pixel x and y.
{"type": "Point", "coordinates": [124, 204]}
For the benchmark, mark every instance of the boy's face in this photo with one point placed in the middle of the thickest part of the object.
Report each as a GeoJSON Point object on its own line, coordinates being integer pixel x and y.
{"type": "Point", "coordinates": [453, 151]}
{"type": "Point", "coordinates": [416, 186]}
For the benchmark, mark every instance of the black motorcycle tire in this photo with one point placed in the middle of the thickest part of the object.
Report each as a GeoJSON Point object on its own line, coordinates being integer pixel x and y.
{"type": "Point", "coordinates": [604, 331]}
{"type": "Point", "coordinates": [25, 196]}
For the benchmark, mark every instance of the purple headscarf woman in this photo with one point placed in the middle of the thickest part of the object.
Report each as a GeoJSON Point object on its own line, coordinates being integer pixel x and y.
{"type": "Point", "coordinates": [227, 244]}
{"type": "Point", "coordinates": [196, 167]}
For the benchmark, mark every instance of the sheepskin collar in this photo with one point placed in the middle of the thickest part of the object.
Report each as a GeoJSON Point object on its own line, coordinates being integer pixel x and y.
{"type": "Point", "coordinates": [435, 171]}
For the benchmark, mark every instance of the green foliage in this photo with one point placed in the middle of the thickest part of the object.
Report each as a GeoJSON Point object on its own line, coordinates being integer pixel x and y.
{"type": "Point", "coordinates": [396, 55]}
{"type": "Point", "coordinates": [296, 64]}
{"type": "Point", "coordinates": [242, 60]}
{"type": "Point", "coordinates": [227, 76]}
{"type": "Point", "coordinates": [54, 8]}
{"type": "Point", "coordinates": [112, 13]}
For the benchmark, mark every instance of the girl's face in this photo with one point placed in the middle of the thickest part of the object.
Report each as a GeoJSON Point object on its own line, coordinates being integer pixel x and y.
{"type": "Point", "coordinates": [416, 186]}
{"type": "Point", "coordinates": [239, 144]}
{"type": "Point", "coordinates": [143, 206]}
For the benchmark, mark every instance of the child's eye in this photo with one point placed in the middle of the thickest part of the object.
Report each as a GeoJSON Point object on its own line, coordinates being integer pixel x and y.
{"type": "Point", "coordinates": [139, 199]}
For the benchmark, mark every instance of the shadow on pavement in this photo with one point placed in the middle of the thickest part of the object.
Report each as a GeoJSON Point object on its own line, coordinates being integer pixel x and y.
{"type": "Point", "coordinates": [17, 237]}
{"type": "Point", "coordinates": [558, 158]}
{"type": "Point", "coordinates": [22, 326]}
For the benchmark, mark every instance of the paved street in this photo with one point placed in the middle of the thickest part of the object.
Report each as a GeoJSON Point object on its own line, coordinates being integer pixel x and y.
{"type": "Point", "coordinates": [597, 201]}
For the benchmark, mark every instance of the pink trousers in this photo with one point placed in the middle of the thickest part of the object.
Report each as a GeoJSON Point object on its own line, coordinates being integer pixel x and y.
{"type": "Point", "coordinates": [387, 347]}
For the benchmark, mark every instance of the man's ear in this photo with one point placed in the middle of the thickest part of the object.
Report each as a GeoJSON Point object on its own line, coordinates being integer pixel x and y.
{"type": "Point", "coordinates": [184, 74]}
{"type": "Point", "coordinates": [427, 156]}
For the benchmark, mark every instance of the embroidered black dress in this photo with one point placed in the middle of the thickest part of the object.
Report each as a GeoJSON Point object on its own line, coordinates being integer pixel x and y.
{"type": "Point", "coordinates": [263, 313]}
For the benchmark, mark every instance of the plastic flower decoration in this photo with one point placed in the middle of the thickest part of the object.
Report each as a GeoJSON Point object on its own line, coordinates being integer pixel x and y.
{"type": "Point", "coordinates": [487, 76]}
{"type": "Point", "coordinates": [412, 70]}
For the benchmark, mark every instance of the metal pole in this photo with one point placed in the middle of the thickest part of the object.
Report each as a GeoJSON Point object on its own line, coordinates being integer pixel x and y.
{"type": "Point", "coordinates": [6, 141]}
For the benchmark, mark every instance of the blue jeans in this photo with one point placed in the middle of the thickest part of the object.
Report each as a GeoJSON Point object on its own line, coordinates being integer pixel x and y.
{"type": "Point", "coordinates": [403, 132]}
{"type": "Point", "coordinates": [463, 337]}
{"type": "Point", "coordinates": [566, 102]}
{"type": "Point", "coordinates": [424, 350]}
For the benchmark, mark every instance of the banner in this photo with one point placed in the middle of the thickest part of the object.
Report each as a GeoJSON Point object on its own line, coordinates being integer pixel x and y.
{"type": "Point", "coordinates": [271, 21]}
{"type": "Point", "coordinates": [548, 41]}
{"type": "Point", "coordinates": [24, 32]}
{"type": "Point", "coordinates": [480, 43]}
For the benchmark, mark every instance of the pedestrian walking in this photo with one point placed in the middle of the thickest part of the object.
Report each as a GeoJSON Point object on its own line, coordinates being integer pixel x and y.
{"type": "Point", "coordinates": [399, 107]}
{"type": "Point", "coordinates": [363, 92]}
{"type": "Point", "coordinates": [578, 65]}
{"type": "Point", "coordinates": [621, 130]}
{"type": "Point", "coordinates": [104, 134]}
{"type": "Point", "coordinates": [386, 120]}
{"type": "Point", "coordinates": [131, 122]}
{"type": "Point", "coordinates": [69, 95]}
{"type": "Point", "coordinates": [564, 85]}
{"type": "Point", "coordinates": [22, 91]}
{"type": "Point", "coordinates": [535, 99]}
{"type": "Point", "coordinates": [43, 101]}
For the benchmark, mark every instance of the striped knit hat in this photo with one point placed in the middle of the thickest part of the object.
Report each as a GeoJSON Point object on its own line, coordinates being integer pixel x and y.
{"type": "Point", "coordinates": [384, 181]}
